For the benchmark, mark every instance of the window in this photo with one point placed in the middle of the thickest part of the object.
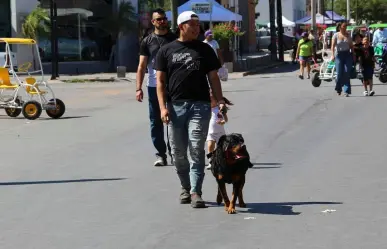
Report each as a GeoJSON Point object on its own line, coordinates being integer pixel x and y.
{"type": "Point", "coordinates": [80, 37]}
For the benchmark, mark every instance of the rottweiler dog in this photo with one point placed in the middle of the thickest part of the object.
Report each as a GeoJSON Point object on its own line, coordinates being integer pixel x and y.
{"type": "Point", "coordinates": [229, 164]}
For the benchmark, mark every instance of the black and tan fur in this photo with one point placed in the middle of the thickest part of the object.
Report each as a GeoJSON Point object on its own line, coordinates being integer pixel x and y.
{"type": "Point", "coordinates": [230, 162]}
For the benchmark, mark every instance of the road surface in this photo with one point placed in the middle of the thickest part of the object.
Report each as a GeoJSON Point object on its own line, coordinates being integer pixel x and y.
{"type": "Point", "coordinates": [87, 180]}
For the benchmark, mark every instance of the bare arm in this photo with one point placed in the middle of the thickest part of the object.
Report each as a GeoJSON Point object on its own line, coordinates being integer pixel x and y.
{"type": "Point", "coordinates": [219, 51]}
{"type": "Point", "coordinates": [298, 50]}
{"type": "Point", "coordinates": [215, 85]}
{"type": "Point", "coordinates": [141, 71]}
{"type": "Point", "coordinates": [161, 93]}
{"type": "Point", "coordinates": [333, 46]}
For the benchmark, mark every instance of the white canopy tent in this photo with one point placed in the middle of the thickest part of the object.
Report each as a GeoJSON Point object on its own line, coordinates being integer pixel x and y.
{"type": "Point", "coordinates": [320, 19]}
{"type": "Point", "coordinates": [219, 13]}
{"type": "Point", "coordinates": [285, 23]}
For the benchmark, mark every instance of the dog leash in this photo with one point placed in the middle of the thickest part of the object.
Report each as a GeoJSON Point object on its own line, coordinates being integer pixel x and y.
{"type": "Point", "coordinates": [168, 144]}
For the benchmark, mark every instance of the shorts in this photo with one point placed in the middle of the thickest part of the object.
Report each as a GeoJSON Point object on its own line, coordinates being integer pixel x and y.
{"type": "Point", "coordinates": [215, 130]}
{"type": "Point", "coordinates": [368, 73]}
{"type": "Point", "coordinates": [306, 59]}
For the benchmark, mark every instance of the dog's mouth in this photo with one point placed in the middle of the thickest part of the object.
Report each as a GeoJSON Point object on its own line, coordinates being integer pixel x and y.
{"type": "Point", "coordinates": [238, 152]}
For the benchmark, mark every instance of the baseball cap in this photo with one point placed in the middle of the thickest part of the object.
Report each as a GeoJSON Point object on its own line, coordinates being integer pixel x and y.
{"type": "Point", "coordinates": [186, 16]}
{"type": "Point", "coordinates": [207, 33]}
{"type": "Point", "coordinates": [304, 34]}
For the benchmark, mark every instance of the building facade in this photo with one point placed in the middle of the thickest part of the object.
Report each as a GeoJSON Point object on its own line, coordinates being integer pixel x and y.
{"type": "Point", "coordinates": [83, 46]}
{"type": "Point", "coordinates": [293, 10]}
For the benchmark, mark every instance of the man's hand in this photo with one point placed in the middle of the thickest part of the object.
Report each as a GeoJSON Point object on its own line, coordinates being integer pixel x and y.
{"type": "Point", "coordinates": [139, 95]}
{"type": "Point", "coordinates": [165, 115]}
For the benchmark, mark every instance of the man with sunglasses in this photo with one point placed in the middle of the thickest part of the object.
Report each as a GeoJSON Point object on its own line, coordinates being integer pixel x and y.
{"type": "Point", "coordinates": [149, 47]}
{"type": "Point", "coordinates": [184, 97]}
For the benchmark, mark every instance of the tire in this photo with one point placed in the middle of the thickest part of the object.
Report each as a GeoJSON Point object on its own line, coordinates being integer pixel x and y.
{"type": "Point", "coordinates": [60, 109]}
{"type": "Point", "coordinates": [13, 112]}
{"type": "Point", "coordinates": [383, 77]}
{"type": "Point", "coordinates": [32, 110]}
{"type": "Point", "coordinates": [316, 82]}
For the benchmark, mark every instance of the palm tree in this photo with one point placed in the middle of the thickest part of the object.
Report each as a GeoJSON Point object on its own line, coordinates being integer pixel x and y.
{"type": "Point", "coordinates": [35, 25]}
{"type": "Point", "coordinates": [120, 23]}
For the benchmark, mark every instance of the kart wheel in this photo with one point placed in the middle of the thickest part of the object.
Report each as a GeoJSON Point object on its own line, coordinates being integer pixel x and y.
{"type": "Point", "coordinates": [13, 112]}
{"type": "Point", "coordinates": [32, 110]}
{"type": "Point", "coordinates": [383, 77]}
{"type": "Point", "coordinates": [316, 82]}
{"type": "Point", "coordinates": [58, 111]}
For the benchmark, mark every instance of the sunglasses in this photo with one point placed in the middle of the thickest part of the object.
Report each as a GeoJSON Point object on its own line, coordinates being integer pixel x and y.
{"type": "Point", "coordinates": [161, 19]}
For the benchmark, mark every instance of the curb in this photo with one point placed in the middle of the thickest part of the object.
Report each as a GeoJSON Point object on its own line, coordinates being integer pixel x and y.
{"type": "Point", "coordinates": [260, 69]}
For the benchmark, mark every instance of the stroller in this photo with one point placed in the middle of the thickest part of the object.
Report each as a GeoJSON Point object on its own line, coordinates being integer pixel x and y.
{"type": "Point", "coordinates": [381, 60]}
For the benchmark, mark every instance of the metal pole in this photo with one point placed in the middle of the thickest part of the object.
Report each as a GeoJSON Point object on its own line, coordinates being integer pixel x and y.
{"type": "Point", "coordinates": [56, 39]}
{"type": "Point", "coordinates": [174, 15]}
{"type": "Point", "coordinates": [273, 34]}
{"type": "Point", "coordinates": [280, 31]}
{"type": "Point", "coordinates": [313, 14]}
{"type": "Point", "coordinates": [348, 11]}
{"type": "Point", "coordinates": [53, 68]}
{"type": "Point", "coordinates": [211, 14]}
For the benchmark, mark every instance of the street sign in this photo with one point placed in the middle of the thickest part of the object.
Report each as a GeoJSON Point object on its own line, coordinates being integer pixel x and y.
{"type": "Point", "coordinates": [201, 8]}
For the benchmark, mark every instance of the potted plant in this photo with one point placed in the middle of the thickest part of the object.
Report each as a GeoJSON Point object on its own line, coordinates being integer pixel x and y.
{"type": "Point", "coordinates": [223, 34]}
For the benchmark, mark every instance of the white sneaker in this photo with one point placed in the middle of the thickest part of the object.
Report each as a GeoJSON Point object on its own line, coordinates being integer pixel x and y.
{"type": "Point", "coordinates": [365, 93]}
{"type": "Point", "coordinates": [208, 166]}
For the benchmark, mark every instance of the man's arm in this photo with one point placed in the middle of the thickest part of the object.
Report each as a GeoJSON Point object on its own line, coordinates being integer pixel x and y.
{"type": "Point", "coordinates": [215, 85]}
{"type": "Point", "coordinates": [161, 86]}
{"type": "Point", "coordinates": [141, 71]}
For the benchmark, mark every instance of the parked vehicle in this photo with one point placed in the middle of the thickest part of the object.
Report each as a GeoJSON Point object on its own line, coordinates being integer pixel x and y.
{"type": "Point", "coordinates": [4, 58]}
{"type": "Point", "coordinates": [263, 39]}
{"type": "Point", "coordinates": [288, 42]}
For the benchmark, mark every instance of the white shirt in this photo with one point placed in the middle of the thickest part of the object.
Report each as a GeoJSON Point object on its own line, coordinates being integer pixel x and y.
{"type": "Point", "coordinates": [214, 44]}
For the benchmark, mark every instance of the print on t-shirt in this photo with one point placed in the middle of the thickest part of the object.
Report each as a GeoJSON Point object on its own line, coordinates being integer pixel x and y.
{"type": "Point", "coordinates": [186, 59]}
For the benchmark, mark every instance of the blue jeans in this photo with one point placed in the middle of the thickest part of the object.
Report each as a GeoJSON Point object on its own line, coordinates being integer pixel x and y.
{"type": "Point", "coordinates": [188, 126]}
{"type": "Point", "coordinates": [156, 125]}
{"type": "Point", "coordinates": [344, 62]}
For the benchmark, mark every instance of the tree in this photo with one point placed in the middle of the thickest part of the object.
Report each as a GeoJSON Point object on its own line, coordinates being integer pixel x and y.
{"type": "Point", "coordinates": [371, 11]}
{"type": "Point", "coordinates": [36, 24]}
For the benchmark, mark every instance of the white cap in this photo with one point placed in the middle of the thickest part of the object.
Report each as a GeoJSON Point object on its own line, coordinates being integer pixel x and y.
{"type": "Point", "coordinates": [186, 16]}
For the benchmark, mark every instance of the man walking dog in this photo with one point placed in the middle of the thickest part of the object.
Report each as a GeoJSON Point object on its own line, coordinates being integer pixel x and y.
{"type": "Point", "coordinates": [184, 97]}
{"type": "Point", "coordinates": [149, 47]}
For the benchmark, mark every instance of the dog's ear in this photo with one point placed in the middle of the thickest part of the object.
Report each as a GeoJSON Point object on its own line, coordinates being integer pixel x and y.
{"type": "Point", "coordinates": [223, 142]}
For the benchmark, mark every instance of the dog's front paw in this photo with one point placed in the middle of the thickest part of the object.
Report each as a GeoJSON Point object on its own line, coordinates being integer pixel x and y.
{"type": "Point", "coordinates": [231, 210]}
{"type": "Point", "coordinates": [242, 204]}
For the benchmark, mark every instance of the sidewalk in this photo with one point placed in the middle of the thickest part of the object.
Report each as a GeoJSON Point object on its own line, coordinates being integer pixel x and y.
{"type": "Point", "coordinates": [131, 77]}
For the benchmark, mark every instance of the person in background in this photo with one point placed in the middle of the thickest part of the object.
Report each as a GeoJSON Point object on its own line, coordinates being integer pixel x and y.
{"type": "Point", "coordinates": [344, 57]}
{"type": "Point", "coordinates": [304, 54]}
{"type": "Point", "coordinates": [149, 47]}
{"type": "Point", "coordinates": [378, 36]}
{"type": "Point", "coordinates": [367, 61]}
{"type": "Point", "coordinates": [209, 39]}
{"type": "Point", "coordinates": [314, 40]}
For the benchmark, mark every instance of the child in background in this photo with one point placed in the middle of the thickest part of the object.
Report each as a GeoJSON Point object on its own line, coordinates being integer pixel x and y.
{"type": "Point", "coordinates": [216, 127]}
{"type": "Point", "coordinates": [367, 62]}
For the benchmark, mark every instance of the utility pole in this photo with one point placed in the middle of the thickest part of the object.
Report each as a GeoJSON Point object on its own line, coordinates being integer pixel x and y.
{"type": "Point", "coordinates": [313, 13]}
{"type": "Point", "coordinates": [174, 15]}
{"type": "Point", "coordinates": [280, 31]}
{"type": "Point", "coordinates": [348, 11]}
{"type": "Point", "coordinates": [54, 53]}
{"type": "Point", "coordinates": [273, 34]}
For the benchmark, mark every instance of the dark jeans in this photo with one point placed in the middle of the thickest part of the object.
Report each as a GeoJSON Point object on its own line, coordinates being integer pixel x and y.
{"type": "Point", "coordinates": [156, 125]}
{"type": "Point", "coordinates": [344, 63]}
{"type": "Point", "coordinates": [188, 125]}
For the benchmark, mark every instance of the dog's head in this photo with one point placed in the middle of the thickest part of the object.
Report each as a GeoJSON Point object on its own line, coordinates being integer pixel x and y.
{"type": "Point", "coordinates": [230, 150]}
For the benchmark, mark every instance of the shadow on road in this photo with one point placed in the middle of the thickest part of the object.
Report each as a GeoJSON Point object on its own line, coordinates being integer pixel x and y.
{"type": "Point", "coordinates": [66, 117]}
{"type": "Point", "coordinates": [270, 165]}
{"type": "Point", "coordinates": [60, 181]}
{"type": "Point", "coordinates": [278, 208]}
{"type": "Point", "coordinates": [286, 68]}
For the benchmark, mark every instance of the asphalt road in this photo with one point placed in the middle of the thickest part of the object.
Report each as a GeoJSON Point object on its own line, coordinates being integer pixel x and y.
{"type": "Point", "coordinates": [87, 180]}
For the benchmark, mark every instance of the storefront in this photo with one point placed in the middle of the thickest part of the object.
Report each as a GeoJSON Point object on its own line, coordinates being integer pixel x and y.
{"type": "Point", "coordinates": [84, 43]}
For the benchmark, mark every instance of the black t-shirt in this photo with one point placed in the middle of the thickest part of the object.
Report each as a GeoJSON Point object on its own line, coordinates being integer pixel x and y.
{"type": "Point", "coordinates": [367, 56]}
{"type": "Point", "coordinates": [358, 47]}
{"type": "Point", "coordinates": [186, 65]}
{"type": "Point", "coordinates": [151, 44]}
